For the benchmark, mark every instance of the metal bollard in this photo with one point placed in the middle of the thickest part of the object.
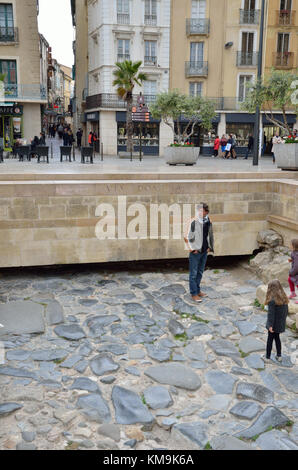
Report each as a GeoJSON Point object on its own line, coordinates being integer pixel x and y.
{"type": "Point", "coordinates": [73, 153]}
{"type": "Point", "coordinates": [101, 151]}
{"type": "Point", "coordinates": [52, 150]}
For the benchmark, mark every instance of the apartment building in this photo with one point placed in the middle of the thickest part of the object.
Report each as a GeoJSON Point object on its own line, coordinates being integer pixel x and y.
{"type": "Point", "coordinates": [23, 92]}
{"type": "Point", "coordinates": [214, 53]}
{"type": "Point", "coordinates": [121, 30]}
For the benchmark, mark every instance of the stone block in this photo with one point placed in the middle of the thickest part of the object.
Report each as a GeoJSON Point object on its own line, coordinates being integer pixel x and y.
{"type": "Point", "coordinates": [23, 212]}
{"type": "Point", "coordinates": [52, 212]}
{"type": "Point", "coordinates": [261, 294]}
{"type": "Point", "coordinates": [259, 207]}
{"type": "Point", "coordinates": [77, 211]}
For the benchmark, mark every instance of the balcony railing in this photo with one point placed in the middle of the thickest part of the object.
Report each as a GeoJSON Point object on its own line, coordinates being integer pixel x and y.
{"type": "Point", "coordinates": [283, 60]}
{"type": "Point", "coordinates": [247, 59]}
{"type": "Point", "coordinates": [150, 20]}
{"type": "Point", "coordinates": [84, 94]}
{"type": "Point", "coordinates": [123, 57]}
{"type": "Point", "coordinates": [197, 26]}
{"type": "Point", "coordinates": [112, 100]}
{"type": "Point", "coordinates": [17, 92]}
{"type": "Point", "coordinates": [196, 69]}
{"type": "Point", "coordinates": [285, 17]}
{"type": "Point", "coordinates": [249, 16]}
{"type": "Point", "coordinates": [150, 60]}
{"type": "Point", "coordinates": [9, 34]}
{"type": "Point", "coordinates": [123, 18]}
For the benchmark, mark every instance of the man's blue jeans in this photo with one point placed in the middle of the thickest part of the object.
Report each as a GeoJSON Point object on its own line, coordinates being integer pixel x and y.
{"type": "Point", "coordinates": [197, 263]}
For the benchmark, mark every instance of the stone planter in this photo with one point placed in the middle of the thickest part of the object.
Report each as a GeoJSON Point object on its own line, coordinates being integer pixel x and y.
{"type": "Point", "coordinates": [286, 156]}
{"type": "Point", "coordinates": [182, 155]}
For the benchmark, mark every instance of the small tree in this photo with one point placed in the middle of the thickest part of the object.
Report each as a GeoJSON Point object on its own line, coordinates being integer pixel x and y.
{"type": "Point", "coordinates": [127, 75]}
{"type": "Point", "coordinates": [273, 93]}
{"type": "Point", "coordinates": [172, 105]}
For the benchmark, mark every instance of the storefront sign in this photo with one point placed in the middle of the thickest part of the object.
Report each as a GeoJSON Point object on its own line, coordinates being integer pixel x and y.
{"type": "Point", "coordinates": [92, 116]}
{"type": "Point", "coordinates": [15, 110]}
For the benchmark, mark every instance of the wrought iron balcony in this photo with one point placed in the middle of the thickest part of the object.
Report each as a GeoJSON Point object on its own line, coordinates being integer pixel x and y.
{"type": "Point", "coordinates": [285, 17]}
{"type": "Point", "coordinates": [123, 57]}
{"type": "Point", "coordinates": [283, 60]}
{"type": "Point", "coordinates": [249, 16]}
{"type": "Point", "coordinates": [9, 35]}
{"type": "Point", "coordinates": [150, 60]}
{"type": "Point", "coordinates": [123, 18]}
{"type": "Point", "coordinates": [112, 100]}
{"type": "Point", "coordinates": [197, 26]}
{"type": "Point", "coordinates": [150, 20]}
{"type": "Point", "coordinates": [20, 92]}
{"type": "Point", "coordinates": [247, 59]}
{"type": "Point", "coordinates": [196, 69]}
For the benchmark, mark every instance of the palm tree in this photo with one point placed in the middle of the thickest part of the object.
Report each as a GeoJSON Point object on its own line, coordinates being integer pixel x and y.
{"type": "Point", "coordinates": [127, 75]}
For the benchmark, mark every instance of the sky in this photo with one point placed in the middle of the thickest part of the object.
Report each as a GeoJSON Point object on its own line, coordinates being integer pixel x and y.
{"type": "Point", "coordinates": [55, 24]}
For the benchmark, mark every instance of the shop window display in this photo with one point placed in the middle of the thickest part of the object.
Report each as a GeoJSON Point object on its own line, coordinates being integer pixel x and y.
{"type": "Point", "coordinates": [242, 132]}
{"type": "Point", "coordinates": [150, 134]}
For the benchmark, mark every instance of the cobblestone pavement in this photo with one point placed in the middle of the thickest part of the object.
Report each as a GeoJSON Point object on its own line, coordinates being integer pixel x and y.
{"type": "Point", "coordinates": [148, 164]}
{"type": "Point", "coordinates": [116, 360]}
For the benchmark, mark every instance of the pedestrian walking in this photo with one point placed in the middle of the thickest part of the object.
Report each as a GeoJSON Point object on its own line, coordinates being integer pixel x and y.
{"type": "Point", "coordinates": [250, 146]}
{"type": "Point", "coordinates": [79, 138]}
{"type": "Point", "coordinates": [70, 138]}
{"type": "Point", "coordinates": [277, 302]}
{"type": "Point", "coordinates": [228, 151]}
{"type": "Point", "coordinates": [200, 242]}
{"type": "Point", "coordinates": [65, 138]}
{"type": "Point", "coordinates": [293, 274]}
{"type": "Point", "coordinates": [42, 139]}
{"type": "Point", "coordinates": [90, 139]}
{"type": "Point", "coordinates": [60, 131]}
{"type": "Point", "coordinates": [216, 146]}
{"type": "Point", "coordinates": [276, 140]}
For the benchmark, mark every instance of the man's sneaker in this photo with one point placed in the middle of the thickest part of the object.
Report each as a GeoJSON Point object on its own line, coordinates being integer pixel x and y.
{"type": "Point", "coordinates": [278, 358]}
{"type": "Point", "coordinates": [202, 294]}
{"type": "Point", "coordinates": [266, 359]}
{"type": "Point", "coordinates": [292, 295]}
{"type": "Point", "coordinates": [196, 298]}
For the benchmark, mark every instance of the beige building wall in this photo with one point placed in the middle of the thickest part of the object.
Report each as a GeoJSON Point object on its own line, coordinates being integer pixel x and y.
{"type": "Point", "coordinates": [25, 50]}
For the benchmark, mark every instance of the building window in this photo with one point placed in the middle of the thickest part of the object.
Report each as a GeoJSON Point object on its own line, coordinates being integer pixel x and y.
{"type": "Point", "coordinates": [150, 12]}
{"type": "Point", "coordinates": [195, 88]}
{"type": "Point", "coordinates": [150, 53]}
{"type": "Point", "coordinates": [123, 12]}
{"type": "Point", "coordinates": [123, 50]}
{"type": "Point", "coordinates": [198, 9]}
{"type": "Point", "coordinates": [243, 82]}
{"type": "Point", "coordinates": [9, 69]}
{"type": "Point", "coordinates": [241, 131]}
{"type": "Point", "coordinates": [196, 52]}
{"type": "Point", "coordinates": [150, 90]}
{"type": "Point", "coordinates": [283, 41]}
{"type": "Point", "coordinates": [285, 5]}
{"type": "Point", "coordinates": [6, 22]}
{"type": "Point", "coordinates": [150, 135]}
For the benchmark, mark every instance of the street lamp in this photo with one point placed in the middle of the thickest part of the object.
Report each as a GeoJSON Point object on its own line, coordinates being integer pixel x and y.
{"type": "Point", "coordinates": [260, 66]}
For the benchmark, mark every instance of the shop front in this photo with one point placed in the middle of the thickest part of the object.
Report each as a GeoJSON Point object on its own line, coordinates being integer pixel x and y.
{"type": "Point", "coordinates": [270, 130]}
{"type": "Point", "coordinates": [201, 137]}
{"type": "Point", "coordinates": [242, 126]}
{"type": "Point", "coordinates": [92, 120]}
{"type": "Point", "coordinates": [11, 125]}
{"type": "Point", "coordinates": [150, 132]}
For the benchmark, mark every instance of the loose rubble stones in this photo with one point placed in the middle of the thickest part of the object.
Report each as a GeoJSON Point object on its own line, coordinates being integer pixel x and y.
{"type": "Point", "coordinates": [174, 374]}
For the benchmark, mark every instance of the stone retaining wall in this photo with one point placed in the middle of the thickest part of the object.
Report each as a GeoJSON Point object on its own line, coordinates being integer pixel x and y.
{"type": "Point", "coordinates": [53, 222]}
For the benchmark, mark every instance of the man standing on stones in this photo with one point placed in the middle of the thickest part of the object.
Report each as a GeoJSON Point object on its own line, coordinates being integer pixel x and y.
{"type": "Point", "coordinates": [200, 242]}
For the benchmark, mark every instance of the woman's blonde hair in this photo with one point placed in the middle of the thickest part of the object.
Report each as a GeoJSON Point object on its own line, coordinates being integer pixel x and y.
{"type": "Point", "coordinates": [295, 244]}
{"type": "Point", "coordinates": [275, 292]}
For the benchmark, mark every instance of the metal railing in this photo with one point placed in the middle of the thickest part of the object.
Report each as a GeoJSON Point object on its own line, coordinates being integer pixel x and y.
{"type": "Point", "coordinates": [285, 17]}
{"type": "Point", "coordinates": [20, 92]}
{"type": "Point", "coordinates": [9, 34]}
{"type": "Point", "coordinates": [112, 100]}
{"type": "Point", "coordinates": [197, 26]}
{"type": "Point", "coordinates": [84, 94]}
{"type": "Point", "coordinates": [283, 60]}
{"type": "Point", "coordinates": [249, 16]}
{"type": "Point", "coordinates": [247, 59]}
{"type": "Point", "coordinates": [123, 57]}
{"type": "Point", "coordinates": [150, 20]}
{"type": "Point", "coordinates": [150, 60]}
{"type": "Point", "coordinates": [123, 18]}
{"type": "Point", "coordinates": [196, 69]}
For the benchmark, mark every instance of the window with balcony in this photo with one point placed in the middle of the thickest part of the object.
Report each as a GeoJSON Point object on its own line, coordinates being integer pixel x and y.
{"type": "Point", "coordinates": [123, 50]}
{"type": "Point", "coordinates": [247, 56]}
{"type": "Point", "coordinates": [283, 58]}
{"type": "Point", "coordinates": [9, 69]}
{"type": "Point", "coordinates": [249, 14]}
{"type": "Point", "coordinates": [123, 16]}
{"type": "Point", "coordinates": [7, 30]}
{"type": "Point", "coordinates": [285, 14]}
{"type": "Point", "coordinates": [150, 53]}
{"type": "Point", "coordinates": [198, 23]}
{"type": "Point", "coordinates": [196, 66]}
{"type": "Point", "coordinates": [195, 88]}
{"type": "Point", "coordinates": [150, 12]}
{"type": "Point", "coordinates": [150, 91]}
{"type": "Point", "coordinates": [198, 9]}
{"type": "Point", "coordinates": [244, 80]}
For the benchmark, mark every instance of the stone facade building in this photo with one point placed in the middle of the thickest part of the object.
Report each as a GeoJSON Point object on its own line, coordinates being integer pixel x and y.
{"type": "Point", "coordinates": [23, 94]}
